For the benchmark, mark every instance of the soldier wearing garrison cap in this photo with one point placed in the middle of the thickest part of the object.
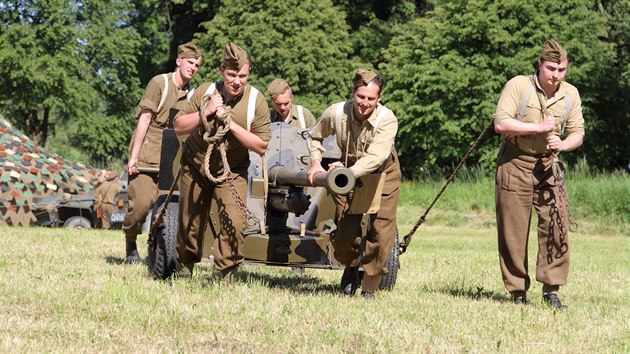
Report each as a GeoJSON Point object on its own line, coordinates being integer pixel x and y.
{"type": "Point", "coordinates": [234, 104]}
{"type": "Point", "coordinates": [281, 95]}
{"type": "Point", "coordinates": [538, 116]}
{"type": "Point", "coordinates": [365, 131]}
{"type": "Point", "coordinates": [154, 113]}
{"type": "Point", "coordinates": [105, 196]}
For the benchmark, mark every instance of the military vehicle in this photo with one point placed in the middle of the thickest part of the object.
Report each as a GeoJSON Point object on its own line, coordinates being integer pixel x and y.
{"type": "Point", "coordinates": [78, 210]}
{"type": "Point", "coordinates": [295, 221]}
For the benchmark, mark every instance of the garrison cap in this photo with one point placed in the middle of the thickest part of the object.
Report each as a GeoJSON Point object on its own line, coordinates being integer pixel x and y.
{"type": "Point", "coordinates": [234, 57]}
{"type": "Point", "coordinates": [553, 51]}
{"type": "Point", "coordinates": [110, 175]}
{"type": "Point", "coordinates": [188, 50]}
{"type": "Point", "coordinates": [277, 87]}
{"type": "Point", "coordinates": [362, 77]}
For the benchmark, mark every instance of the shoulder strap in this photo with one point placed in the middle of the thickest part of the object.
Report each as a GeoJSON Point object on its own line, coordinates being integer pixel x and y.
{"type": "Point", "coordinates": [300, 110]}
{"type": "Point", "coordinates": [379, 117]}
{"type": "Point", "coordinates": [338, 128]}
{"type": "Point", "coordinates": [567, 103]}
{"type": "Point", "coordinates": [210, 89]}
{"type": "Point", "coordinates": [251, 107]}
{"type": "Point", "coordinates": [164, 92]}
{"type": "Point", "coordinates": [525, 101]}
{"type": "Point", "coordinates": [190, 93]}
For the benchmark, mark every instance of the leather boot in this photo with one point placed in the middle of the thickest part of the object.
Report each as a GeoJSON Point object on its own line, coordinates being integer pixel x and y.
{"type": "Point", "coordinates": [132, 252]}
{"type": "Point", "coordinates": [350, 280]}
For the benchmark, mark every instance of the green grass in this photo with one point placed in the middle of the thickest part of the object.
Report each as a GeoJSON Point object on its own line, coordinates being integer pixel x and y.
{"type": "Point", "coordinates": [69, 291]}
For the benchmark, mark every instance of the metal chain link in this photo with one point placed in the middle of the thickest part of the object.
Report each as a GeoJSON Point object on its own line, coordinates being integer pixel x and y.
{"type": "Point", "coordinates": [241, 203]}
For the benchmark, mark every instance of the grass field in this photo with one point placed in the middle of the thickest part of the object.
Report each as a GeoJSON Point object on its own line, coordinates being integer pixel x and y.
{"type": "Point", "coordinates": [69, 291]}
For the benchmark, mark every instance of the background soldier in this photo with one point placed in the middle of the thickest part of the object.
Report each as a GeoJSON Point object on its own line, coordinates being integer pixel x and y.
{"type": "Point", "coordinates": [281, 96]}
{"type": "Point", "coordinates": [239, 106]}
{"type": "Point", "coordinates": [154, 112]}
{"type": "Point", "coordinates": [532, 114]}
{"type": "Point", "coordinates": [105, 198]}
{"type": "Point", "coordinates": [365, 133]}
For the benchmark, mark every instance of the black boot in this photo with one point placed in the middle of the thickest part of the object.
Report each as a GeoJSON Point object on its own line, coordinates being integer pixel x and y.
{"type": "Point", "coordinates": [132, 252]}
{"type": "Point", "coordinates": [350, 280]}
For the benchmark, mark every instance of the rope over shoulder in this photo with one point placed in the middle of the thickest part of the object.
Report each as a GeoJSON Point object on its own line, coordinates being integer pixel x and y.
{"type": "Point", "coordinates": [407, 239]}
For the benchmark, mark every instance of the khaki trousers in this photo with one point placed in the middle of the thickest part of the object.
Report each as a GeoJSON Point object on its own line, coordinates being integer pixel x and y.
{"type": "Point", "coordinates": [106, 213]}
{"type": "Point", "coordinates": [142, 191]}
{"type": "Point", "coordinates": [195, 199]}
{"type": "Point", "coordinates": [523, 181]}
{"type": "Point", "coordinates": [346, 239]}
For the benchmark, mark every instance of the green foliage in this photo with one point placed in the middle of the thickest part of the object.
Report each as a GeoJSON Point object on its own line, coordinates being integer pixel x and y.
{"type": "Point", "coordinates": [304, 42]}
{"type": "Point", "coordinates": [446, 70]}
{"type": "Point", "coordinates": [62, 60]}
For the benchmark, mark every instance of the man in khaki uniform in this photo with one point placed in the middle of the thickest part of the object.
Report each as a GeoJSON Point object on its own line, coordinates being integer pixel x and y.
{"type": "Point", "coordinates": [248, 120]}
{"type": "Point", "coordinates": [281, 96]}
{"type": "Point", "coordinates": [365, 132]}
{"type": "Point", "coordinates": [154, 112]}
{"type": "Point", "coordinates": [538, 116]}
{"type": "Point", "coordinates": [105, 197]}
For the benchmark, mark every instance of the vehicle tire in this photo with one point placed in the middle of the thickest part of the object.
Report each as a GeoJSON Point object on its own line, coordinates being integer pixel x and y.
{"type": "Point", "coordinates": [77, 222]}
{"type": "Point", "coordinates": [162, 257]}
{"type": "Point", "coordinates": [393, 264]}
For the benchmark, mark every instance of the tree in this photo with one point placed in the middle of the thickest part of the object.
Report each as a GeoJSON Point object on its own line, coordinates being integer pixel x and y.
{"type": "Point", "coordinates": [60, 60]}
{"type": "Point", "coordinates": [608, 141]}
{"type": "Point", "coordinates": [446, 70]}
{"type": "Point", "coordinates": [305, 42]}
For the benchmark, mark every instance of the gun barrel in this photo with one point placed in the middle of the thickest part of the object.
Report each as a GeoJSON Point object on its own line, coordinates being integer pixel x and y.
{"type": "Point", "coordinates": [339, 181]}
{"type": "Point", "coordinates": [148, 169]}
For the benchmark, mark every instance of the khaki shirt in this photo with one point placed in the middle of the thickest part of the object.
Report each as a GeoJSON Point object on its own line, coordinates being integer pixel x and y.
{"type": "Point", "coordinates": [106, 193]}
{"type": "Point", "coordinates": [153, 94]}
{"type": "Point", "coordinates": [237, 154]}
{"type": "Point", "coordinates": [152, 144]}
{"type": "Point", "coordinates": [309, 118]}
{"type": "Point", "coordinates": [510, 102]}
{"type": "Point", "coordinates": [370, 142]}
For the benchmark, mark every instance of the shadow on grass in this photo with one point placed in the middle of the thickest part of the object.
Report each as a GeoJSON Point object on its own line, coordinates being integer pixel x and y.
{"type": "Point", "coordinates": [477, 293]}
{"type": "Point", "coordinates": [299, 283]}
{"type": "Point", "coordinates": [121, 261]}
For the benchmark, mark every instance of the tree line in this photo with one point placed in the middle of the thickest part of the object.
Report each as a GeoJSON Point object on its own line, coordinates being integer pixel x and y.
{"type": "Point", "coordinates": [71, 72]}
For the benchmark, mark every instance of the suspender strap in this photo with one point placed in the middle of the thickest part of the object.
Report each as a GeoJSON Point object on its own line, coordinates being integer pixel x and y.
{"type": "Point", "coordinates": [164, 92]}
{"type": "Point", "coordinates": [338, 129]}
{"type": "Point", "coordinates": [528, 94]}
{"type": "Point", "coordinates": [300, 110]}
{"type": "Point", "coordinates": [211, 89]}
{"type": "Point", "coordinates": [251, 107]}
{"type": "Point", "coordinates": [567, 103]}
{"type": "Point", "coordinates": [525, 101]}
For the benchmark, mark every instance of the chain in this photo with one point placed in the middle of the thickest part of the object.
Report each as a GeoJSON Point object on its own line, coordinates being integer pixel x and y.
{"type": "Point", "coordinates": [241, 203]}
{"type": "Point", "coordinates": [557, 204]}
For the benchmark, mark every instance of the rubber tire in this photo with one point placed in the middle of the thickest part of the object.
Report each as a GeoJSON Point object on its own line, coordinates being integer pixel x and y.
{"type": "Point", "coordinates": [393, 264]}
{"type": "Point", "coordinates": [162, 261]}
{"type": "Point", "coordinates": [77, 222]}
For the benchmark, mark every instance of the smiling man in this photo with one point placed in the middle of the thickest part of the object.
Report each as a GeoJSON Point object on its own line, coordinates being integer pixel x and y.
{"type": "Point", "coordinates": [365, 132]}
{"type": "Point", "coordinates": [248, 114]}
{"type": "Point", "coordinates": [538, 116]}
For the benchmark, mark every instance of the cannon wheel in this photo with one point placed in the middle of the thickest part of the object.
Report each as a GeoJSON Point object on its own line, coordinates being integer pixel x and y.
{"type": "Point", "coordinates": [393, 264]}
{"type": "Point", "coordinates": [162, 257]}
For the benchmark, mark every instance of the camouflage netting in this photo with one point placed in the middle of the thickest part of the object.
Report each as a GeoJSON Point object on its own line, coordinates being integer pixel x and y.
{"type": "Point", "coordinates": [28, 172]}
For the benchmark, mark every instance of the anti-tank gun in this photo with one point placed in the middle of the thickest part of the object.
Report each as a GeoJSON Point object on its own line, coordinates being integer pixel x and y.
{"type": "Point", "coordinates": [292, 222]}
